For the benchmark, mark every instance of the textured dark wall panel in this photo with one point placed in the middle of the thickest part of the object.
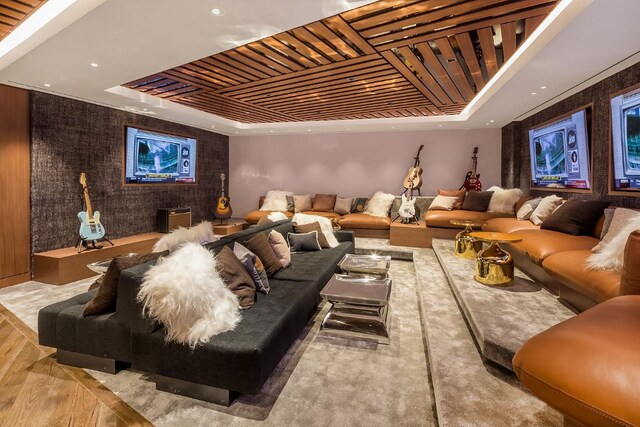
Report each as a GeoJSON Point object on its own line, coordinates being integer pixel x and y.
{"type": "Point", "coordinates": [599, 95]}
{"type": "Point", "coordinates": [69, 137]}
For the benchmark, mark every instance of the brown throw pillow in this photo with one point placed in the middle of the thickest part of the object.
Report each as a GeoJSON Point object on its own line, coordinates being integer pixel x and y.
{"type": "Point", "coordinates": [314, 226]}
{"type": "Point", "coordinates": [104, 300]}
{"type": "Point", "coordinates": [235, 276]}
{"type": "Point", "coordinates": [324, 202]}
{"type": "Point", "coordinates": [453, 193]}
{"type": "Point", "coordinates": [259, 245]}
{"type": "Point", "coordinates": [575, 217]}
{"type": "Point", "coordinates": [477, 201]}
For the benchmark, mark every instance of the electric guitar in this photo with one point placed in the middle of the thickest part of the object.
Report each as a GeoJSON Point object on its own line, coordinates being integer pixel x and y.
{"type": "Point", "coordinates": [223, 205]}
{"type": "Point", "coordinates": [414, 176]}
{"type": "Point", "coordinates": [472, 180]}
{"type": "Point", "coordinates": [90, 227]}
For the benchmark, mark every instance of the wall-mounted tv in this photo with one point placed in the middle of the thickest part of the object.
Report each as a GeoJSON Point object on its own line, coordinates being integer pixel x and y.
{"type": "Point", "coordinates": [158, 158]}
{"type": "Point", "coordinates": [560, 153]}
{"type": "Point", "coordinates": [625, 137]}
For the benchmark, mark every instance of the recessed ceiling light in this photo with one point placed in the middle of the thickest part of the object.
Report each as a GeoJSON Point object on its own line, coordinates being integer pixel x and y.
{"type": "Point", "coordinates": [534, 93]}
{"type": "Point", "coordinates": [93, 64]}
{"type": "Point", "coordinates": [236, 131]}
{"type": "Point", "coordinates": [213, 126]}
{"type": "Point", "coordinates": [487, 123]}
{"type": "Point", "coordinates": [47, 85]}
{"type": "Point", "coordinates": [144, 109]}
{"type": "Point", "coordinates": [393, 127]}
{"type": "Point", "coordinates": [308, 130]}
{"type": "Point", "coordinates": [351, 79]}
{"type": "Point", "coordinates": [543, 87]}
{"type": "Point", "coordinates": [439, 126]}
{"type": "Point", "coordinates": [373, 93]}
{"type": "Point", "coordinates": [217, 12]}
{"type": "Point", "coordinates": [491, 121]}
{"type": "Point", "coordinates": [270, 131]}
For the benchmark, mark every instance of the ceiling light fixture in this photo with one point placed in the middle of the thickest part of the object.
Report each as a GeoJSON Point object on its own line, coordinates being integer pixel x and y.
{"type": "Point", "coordinates": [534, 93]}
{"type": "Point", "coordinates": [543, 87]}
{"type": "Point", "coordinates": [439, 126]}
{"type": "Point", "coordinates": [213, 126]}
{"type": "Point", "coordinates": [217, 12]}
{"type": "Point", "coordinates": [93, 64]}
{"type": "Point", "coordinates": [491, 121]}
{"type": "Point", "coordinates": [47, 85]}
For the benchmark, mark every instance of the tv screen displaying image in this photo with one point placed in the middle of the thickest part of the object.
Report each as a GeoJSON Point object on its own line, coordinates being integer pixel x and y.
{"type": "Point", "coordinates": [560, 153]}
{"type": "Point", "coordinates": [625, 128]}
{"type": "Point", "coordinates": [157, 158]}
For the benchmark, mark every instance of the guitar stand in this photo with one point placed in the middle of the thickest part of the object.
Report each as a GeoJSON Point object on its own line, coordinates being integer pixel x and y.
{"type": "Point", "coordinates": [406, 189]}
{"type": "Point", "coordinates": [84, 245]}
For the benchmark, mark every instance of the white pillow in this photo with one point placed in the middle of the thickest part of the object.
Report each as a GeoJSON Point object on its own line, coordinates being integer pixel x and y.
{"type": "Point", "coordinates": [275, 200]}
{"type": "Point", "coordinates": [611, 254]}
{"type": "Point", "coordinates": [443, 203]}
{"type": "Point", "coordinates": [201, 233]}
{"type": "Point", "coordinates": [619, 221]}
{"type": "Point", "coordinates": [276, 216]}
{"type": "Point", "coordinates": [503, 200]}
{"type": "Point", "coordinates": [325, 226]}
{"type": "Point", "coordinates": [527, 209]}
{"type": "Point", "coordinates": [545, 208]}
{"type": "Point", "coordinates": [379, 204]}
{"type": "Point", "coordinates": [184, 292]}
{"type": "Point", "coordinates": [343, 206]}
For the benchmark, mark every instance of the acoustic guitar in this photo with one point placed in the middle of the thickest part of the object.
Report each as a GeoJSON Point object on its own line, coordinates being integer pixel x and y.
{"type": "Point", "coordinates": [90, 227]}
{"type": "Point", "coordinates": [223, 205]}
{"type": "Point", "coordinates": [414, 176]}
{"type": "Point", "coordinates": [472, 180]}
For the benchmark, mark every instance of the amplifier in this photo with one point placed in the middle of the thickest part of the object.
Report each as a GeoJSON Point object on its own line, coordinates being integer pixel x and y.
{"type": "Point", "coordinates": [170, 219]}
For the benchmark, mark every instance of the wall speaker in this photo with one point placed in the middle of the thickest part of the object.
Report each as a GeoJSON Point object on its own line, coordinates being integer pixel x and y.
{"type": "Point", "coordinates": [170, 219]}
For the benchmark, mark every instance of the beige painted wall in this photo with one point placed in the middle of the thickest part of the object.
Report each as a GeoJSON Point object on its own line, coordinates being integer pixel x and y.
{"type": "Point", "coordinates": [355, 164]}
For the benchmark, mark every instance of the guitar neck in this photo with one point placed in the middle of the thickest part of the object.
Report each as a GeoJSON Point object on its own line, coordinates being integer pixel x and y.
{"type": "Point", "coordinates": [87, 202]}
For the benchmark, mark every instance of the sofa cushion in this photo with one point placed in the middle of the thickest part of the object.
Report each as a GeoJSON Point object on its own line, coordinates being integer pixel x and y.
{"type": "Point", "coordinates": [539, 244]}
{"type": "Point", "coordinates": [364, 221]}
{"type": "Point", "coordinates": [477, 201]}
{"type": "Point", "coordinates": [508, 225]}
{"type": "Point", "coordinates": [324, 202]}
{"type": "Point", "coordinates": [259, 245]}
{"type": "Point", "coordinates": [443, 218]}
{"type": "Point", "coordinates": [576, 217]}
{"type": "Point", "coordinates": [330, 215]}
{"type": "Point", "coordinates": [313, 226]}
{"type": "Point", "coordinates": [254, 216]}
{"type": "Point", "coordinates": [570, 267]}
{"type": "Point", "coordinates": [235, 277]}
{"type": "Point", "coordinates": [458, 194]}
{"type": "Point", "coordinates": [587, 367]}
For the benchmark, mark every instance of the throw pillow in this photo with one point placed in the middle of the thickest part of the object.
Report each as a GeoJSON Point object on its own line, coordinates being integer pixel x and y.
{"type": "Point", "coordinates": [477, 201]}
{"type": "Point", "coordinates": [575, 217]}
{"type": "Point", "coordinates": [275, 200]}
{"type": "Point", "coordinates": [325, 224]}
{"type": "Point", "coordinates": [201, 233]}
{"type": "Point", "coordinates": [358, 204]}
{"type": "Point", "coordinates": [264, 220]}
{"type": "Point", "coordinates": [611, 255]}
{"type": "Point", "coordinates": [443, 203]}
{"type": "Point", "coordinates": [314, 226]}
{"type": "Point", "coordinates": [619, 219]}
{"type": "Point", "coordinates": [503, 200]}
{"type": "Point", "coordinates": [291, 204]}
{"type": "Point", "coordinates": [545, 208]}
{"type": "Point", "coordinates": [458, 194]}
{"type": "Point", "coordinates": [280, 247]}
{"type": "Point", "coordinates": [235, 276]}
{"type": "Point", "coordinates": [254, 267]}
{"type": "Point", "coordinates": [185, 293]}
{"type": "Point", "coordinates": [608, 217]}
{"type": "Point", "coordinates": [630, 280]}
{"type": "Point", "coordinates": [379, 205]}
{"type": "Point", "coordinates": [259, 245]}
{"type": "Point", "coordinates": [343, 205]}
{"type": "Point", "coordinates": [527, 209]}
{"type": "Point", "coordinates": [304, 242]}
{"type": "Point", "coordinates": [104, 301]}
{"type": "Point", "coordinates": [302, 203]}
{"type": "Point", "coordinates": [324, 202]}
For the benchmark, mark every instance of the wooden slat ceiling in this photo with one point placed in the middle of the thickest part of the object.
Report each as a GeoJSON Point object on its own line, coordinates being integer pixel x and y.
{"type": "Point", "coordinates": [391, 58]}
{"type": "Point", "coordinates": [13, 12]}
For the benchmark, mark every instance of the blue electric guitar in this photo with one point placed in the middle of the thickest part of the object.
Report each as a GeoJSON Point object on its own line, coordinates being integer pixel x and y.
{"type": "Point", "coordinates": [90, 227]}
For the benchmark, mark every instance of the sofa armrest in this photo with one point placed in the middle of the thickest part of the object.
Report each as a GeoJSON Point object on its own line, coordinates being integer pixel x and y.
{"type": "Point", "coordinates": [345, 236]}
{"type": "Point", "coordinates": [630, 280]}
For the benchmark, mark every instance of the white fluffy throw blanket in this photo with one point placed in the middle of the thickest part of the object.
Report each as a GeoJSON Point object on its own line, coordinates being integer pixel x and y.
{"type": "Point", "coordinates": [185, 293]}
{"type": "Point", "coordinates": [325, 226]}
{"type": "Point", "coordinates": [611, 254]}
{"type": "Point", "coordinates": [201, 233]}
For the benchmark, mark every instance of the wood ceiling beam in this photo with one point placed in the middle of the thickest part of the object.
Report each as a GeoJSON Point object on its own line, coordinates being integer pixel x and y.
{"type": "Point", "coordinates": [455, 70]}
{"type": "Point", "coordinates": [488, 51]}
{"type": "Point", "coordinates": [347, 31]}
{"type": "Point", "coordinates": [424, 75]}
{"type": "Point", "coordinates": [470, 58]}
{"type": "Point", "coordinates": [509, 40]}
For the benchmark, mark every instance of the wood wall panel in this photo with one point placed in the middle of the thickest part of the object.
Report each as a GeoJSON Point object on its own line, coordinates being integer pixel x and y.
{"type": "Point", "coordinates": [15, 238]}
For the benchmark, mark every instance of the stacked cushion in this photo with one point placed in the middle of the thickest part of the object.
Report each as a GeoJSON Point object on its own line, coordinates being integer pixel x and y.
{"type": "Point", "coordinates": [458, 194]}
{"type": "Point", "coordinates": [314, 226]}
{"type": "Point", "coordinates": [254, 266]}
{"type": "Point", "coordinates": [235, 276]}
{"type": "Point", "coordinates": [259, 245]}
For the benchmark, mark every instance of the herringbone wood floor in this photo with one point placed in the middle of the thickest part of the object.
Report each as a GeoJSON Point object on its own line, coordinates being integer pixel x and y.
{"type": "Point", "coordinates": [36, 391]}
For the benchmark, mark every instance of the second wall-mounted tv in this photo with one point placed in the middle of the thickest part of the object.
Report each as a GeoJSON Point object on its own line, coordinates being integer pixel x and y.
{"type": "Point", "coordinates": [158, 158]}
{"type": "Point", "coordinates": [560, 153]}
{"type": "Point", "coordinates": [625, 129]}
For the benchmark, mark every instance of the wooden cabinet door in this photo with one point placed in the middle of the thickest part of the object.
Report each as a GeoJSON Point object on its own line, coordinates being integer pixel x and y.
{"type": "Point", "coordinates": [15, 239]}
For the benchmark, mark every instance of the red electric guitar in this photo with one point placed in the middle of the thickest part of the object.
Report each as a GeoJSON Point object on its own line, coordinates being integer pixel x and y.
{"type": "Point", "coordinates": [472, 180]}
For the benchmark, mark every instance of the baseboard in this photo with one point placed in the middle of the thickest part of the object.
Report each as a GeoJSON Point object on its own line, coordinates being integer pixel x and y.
{"type": "Point", "coordinates": [207, 393]}
{"type": "Point", "coordinates": [14, 280]}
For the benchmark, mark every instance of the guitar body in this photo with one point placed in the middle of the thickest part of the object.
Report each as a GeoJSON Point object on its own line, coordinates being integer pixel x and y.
{"type": "Point", "coordinates": [223, 208]}
{"type": "Point", "coordinates": [414, 178]}
{"type": "Point", "coordinates": [471, 183]}
{"type": "Point", "coordinates": [90, 228]}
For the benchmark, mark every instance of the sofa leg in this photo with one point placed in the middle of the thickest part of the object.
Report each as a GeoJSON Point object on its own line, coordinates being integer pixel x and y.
{"type": "Point", "coordinates": [87, 361]}
{"type": "Point", "coordinates": [211, 394]}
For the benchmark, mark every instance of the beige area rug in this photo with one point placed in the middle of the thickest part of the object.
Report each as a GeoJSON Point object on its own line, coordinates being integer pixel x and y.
{"type": "Point", "coordinates": [321, 381]}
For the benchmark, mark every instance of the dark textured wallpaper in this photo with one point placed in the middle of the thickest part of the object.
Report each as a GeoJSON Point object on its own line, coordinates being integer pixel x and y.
{"type": "Point", "coordinates": [516, 168]}
{"type": "Point", "coordinates": [70, 136]}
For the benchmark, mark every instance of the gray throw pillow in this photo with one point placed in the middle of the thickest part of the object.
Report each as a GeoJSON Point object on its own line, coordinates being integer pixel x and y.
{"type": "Point", "coordinates": [608, 217]}
{"type": "Point", "coordinates": [304, 242]}
{"type": "Point", "coordinates": [477, 201]}
{"type": "Point", "coordinates": [254, 267]}
{"type": "Point", "coordinates": [527, 209]}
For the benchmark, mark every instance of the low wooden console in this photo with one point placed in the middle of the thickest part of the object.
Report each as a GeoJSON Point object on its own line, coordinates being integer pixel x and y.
{"type": "Point", "coordinates": [415, 235]}
{"type": "Point", "coordinates": [66, 265]}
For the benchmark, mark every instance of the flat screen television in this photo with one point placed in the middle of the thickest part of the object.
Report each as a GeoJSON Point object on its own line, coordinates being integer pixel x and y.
{"type": "Point", "coordinates": [625, 138]}
{"type": "Point", "coordinates": [158, 158]}
{"type": "Point", "coordinates": [560, 153]}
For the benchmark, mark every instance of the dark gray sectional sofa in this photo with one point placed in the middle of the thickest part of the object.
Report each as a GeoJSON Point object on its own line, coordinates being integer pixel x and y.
{"type": "Point", "coordinates": [238, 361]}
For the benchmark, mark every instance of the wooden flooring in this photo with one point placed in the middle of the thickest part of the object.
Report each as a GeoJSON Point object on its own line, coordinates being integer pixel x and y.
{"type": "Point", "coordinates": [36, 391]}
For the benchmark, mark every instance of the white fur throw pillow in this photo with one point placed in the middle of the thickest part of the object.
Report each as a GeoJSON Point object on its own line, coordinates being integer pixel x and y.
{"type": "Point", "coordinates": [443, 203]}
{"type": "Point", "coordinates": [379, 204]}
{"type": "Point", "coordinates": [621, 217]}
{"type": "Point", "coordinates": [201, 233]}
{"type": "Point", "coordinates": [276, 216]}
{"type": "Point", "coordinates": [275, 200]}
{"type": "Point", "coordinates": [184, 292]}
{"type": "Point", "coordinates": [611, 254]}
{"type": "Point", "coordinates": [545, 208]}
{"type": "Point", "coordinates": [325, 226]}
{"type": "Point", "coordinates": [503, 200]}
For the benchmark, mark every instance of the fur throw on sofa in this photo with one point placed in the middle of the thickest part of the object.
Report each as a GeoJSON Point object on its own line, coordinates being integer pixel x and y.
{"type": "Point", "coordinates": [611, 253]}
{"type": "Point", "coordinates": [325, 226]}
{"type": "Point", "coordinates": [185, 293]}
{"type": "Point", "coordinates": [201, 233]}
{"type": "Point", "coordinates": [503, 200]}
{"type": "Point", "coordinates": [379, 204]}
